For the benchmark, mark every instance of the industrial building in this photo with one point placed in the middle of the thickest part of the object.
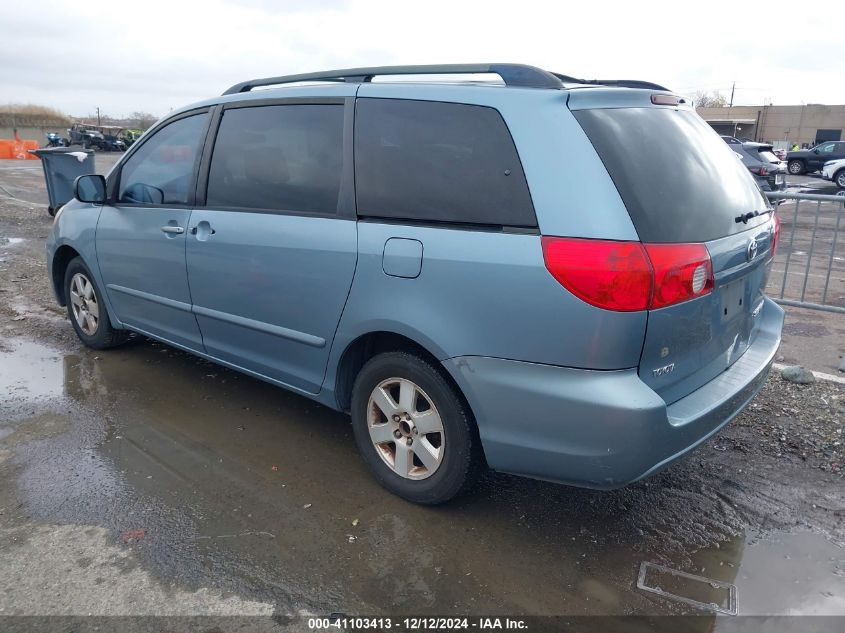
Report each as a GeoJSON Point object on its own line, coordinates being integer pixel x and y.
{"type": "Point", "coordinates": [781, 125]}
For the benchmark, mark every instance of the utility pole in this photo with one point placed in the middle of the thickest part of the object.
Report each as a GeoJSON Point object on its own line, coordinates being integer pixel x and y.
{"type": "Point", "coordinates": [733, 87]}
{"type": "Point", "coordinates": [98, 113]}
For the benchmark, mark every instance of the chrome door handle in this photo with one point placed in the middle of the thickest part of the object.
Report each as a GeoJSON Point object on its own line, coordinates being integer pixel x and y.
{"type": "Point", "coordinates": [178, 230]}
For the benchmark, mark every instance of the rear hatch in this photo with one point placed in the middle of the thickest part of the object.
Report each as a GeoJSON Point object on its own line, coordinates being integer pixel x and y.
{"type": "Point", "coordinates": [682, 184]}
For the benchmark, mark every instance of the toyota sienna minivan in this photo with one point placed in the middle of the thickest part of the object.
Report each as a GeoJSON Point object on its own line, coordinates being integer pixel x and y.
{"type": "Point", "coordinates": [546, 276]}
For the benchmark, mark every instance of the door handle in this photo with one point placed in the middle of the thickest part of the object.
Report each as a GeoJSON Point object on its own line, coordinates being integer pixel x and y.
{"type": "Point", "coordinates": [177, 230]}
{"type": "Point", "coordinates": [203, 231]}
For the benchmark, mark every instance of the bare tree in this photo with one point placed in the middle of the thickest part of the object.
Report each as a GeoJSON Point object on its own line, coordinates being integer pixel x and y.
{"type": "Point", "coordinates": [714, 99]}
{"type": "Point", "coordinates": [142, 120]}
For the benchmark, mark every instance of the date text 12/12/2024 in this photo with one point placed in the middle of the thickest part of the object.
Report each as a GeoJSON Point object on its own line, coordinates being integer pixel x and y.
{"type": "Point", "coordinates": [348, 623]}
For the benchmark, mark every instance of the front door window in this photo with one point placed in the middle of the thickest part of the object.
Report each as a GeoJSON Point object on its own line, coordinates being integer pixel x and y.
{"type": "Point", "coordinates": [161, 171]}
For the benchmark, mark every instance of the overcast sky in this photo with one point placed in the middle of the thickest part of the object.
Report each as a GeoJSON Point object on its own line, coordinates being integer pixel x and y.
{"type": "Point", "coordinates": [154, 55]}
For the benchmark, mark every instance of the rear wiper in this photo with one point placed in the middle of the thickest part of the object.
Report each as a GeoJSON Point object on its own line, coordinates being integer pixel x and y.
{"type": "Point", "coordinates": [751, 214]}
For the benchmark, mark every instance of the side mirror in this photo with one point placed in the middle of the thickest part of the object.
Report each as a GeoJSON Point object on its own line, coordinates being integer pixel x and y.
{"type": "Point", "coordinates": [815, 151]}
{"type": "Point", "coordinates": [90, 189]}
{"type": "Point", "coordinates": [139, 193]}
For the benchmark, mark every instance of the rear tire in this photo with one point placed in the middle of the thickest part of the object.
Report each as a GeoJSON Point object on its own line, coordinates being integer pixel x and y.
{"type": "Point", "coordinates": [87, 312]}
{"type": "Point", "coordinates": [413, 430]}
{"type": "Point", "coordinates": [796, 167]}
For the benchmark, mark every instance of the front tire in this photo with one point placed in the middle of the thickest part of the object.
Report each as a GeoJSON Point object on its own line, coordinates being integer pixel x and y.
{"type": "Point", "coordinates": [795, 167]}
{"type": "Point", "coordinates": [839, 178]}
{"type": "Point", "coordinates": [86, 310]}
{"type": "Point", "coordinates": [413, 430]}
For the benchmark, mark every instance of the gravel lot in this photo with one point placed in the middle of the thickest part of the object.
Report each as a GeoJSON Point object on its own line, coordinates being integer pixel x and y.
{"type": "Point", "coordinates": [145, 481]}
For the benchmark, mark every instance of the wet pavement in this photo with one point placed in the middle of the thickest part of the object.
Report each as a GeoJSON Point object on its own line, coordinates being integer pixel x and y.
{"type": "Point", "coordinates": [143, 480]}
{"type": "Point", "coordinates": [209, 481]}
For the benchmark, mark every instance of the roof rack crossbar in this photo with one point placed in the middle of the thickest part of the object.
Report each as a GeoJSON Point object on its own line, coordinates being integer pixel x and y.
{"type": "Point", "coordinates": [518, 75]}
{"type": "Point", "coordinates": [619, 83]}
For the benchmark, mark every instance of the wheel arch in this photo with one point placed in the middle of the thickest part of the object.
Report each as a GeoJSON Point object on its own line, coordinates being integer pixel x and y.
{"type": "Point", "coordinates": [370, 344]}
{"type": "Point", "coordinates": [61, 258]}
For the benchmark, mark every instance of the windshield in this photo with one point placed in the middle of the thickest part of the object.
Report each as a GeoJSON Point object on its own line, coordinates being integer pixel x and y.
{"type": "Point", "coordinates": [679, 180]}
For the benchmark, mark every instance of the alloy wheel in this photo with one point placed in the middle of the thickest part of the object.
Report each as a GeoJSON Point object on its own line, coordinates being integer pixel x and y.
{"type": "Point", "coordinates": [83, 299]}
{"type": "Point", "coordinates": [405, 428]}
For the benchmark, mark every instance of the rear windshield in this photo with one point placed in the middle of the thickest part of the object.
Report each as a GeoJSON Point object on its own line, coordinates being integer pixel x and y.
{"type": "Point", "coordinates": [767, 156]}
{"type": "Point", "coordinates": [678, 179]}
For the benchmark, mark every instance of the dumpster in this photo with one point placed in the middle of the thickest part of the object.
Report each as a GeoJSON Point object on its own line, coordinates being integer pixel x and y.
{"type": "Point", "coordinates": [62, 165]}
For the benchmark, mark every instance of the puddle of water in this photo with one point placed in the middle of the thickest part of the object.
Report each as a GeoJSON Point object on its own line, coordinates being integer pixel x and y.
{"type": "Point", "coordinates": [31, 370]}
{"type": "Point", "coordinates": [10, 241]}
{"type": "Point", "coordinates": [798, 574]}
{"type": "Point", "coordinates": [781, 574]}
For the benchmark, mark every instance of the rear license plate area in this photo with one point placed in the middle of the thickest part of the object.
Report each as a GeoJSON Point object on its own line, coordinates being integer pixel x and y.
{"type": "Point", "coordinates": [779, 179]}
{"type": "Point", "coordinates": [733, 300]}
{"type": "Point", "coordinates": [735, 318]}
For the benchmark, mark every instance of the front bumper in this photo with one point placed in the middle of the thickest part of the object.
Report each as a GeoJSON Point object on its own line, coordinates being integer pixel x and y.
{"type": "Point", "coordinates": [602, 429]}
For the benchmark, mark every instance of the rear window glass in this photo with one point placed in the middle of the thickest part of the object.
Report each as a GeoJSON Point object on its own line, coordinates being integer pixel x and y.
{"type": "Point", "coordinates": [438, 162]}
{"type": "Point", "coordinates": [767, 156]}
{"type": "Point", "coordinates": [678, 179]}
{"type": "Point", "coordinates": [285, 158]}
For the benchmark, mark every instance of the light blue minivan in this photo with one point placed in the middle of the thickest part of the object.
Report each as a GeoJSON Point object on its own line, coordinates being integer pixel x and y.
{"type": "Point", "coordinates": [546, 276]}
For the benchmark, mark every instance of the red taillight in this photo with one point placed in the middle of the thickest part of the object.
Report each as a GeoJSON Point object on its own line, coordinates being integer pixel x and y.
{"type": "Point", "coordinates": [763, 171]}
{"type": "Point", "coordinates": [610, 275]}
{"type": "Point", "coordinates": [775, 231]}
{"type": "Point", "coordinates": [681, 272]}
{"type": "Point", "coordinates": [629, 276]}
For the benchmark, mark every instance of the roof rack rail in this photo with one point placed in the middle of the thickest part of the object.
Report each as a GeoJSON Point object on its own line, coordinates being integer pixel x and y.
{"type": "Point", "coordinates": [518, 75]}
{"type": "Point", "coordinates": [619, 83]}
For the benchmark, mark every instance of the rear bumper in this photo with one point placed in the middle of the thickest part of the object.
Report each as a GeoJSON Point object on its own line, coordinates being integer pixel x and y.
{"type": "Point", "coordinates": [769, 183]}
{"type": "Point", "coordinates": [602, 429]}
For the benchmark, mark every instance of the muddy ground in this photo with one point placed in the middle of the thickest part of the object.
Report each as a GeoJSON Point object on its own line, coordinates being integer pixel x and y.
{"type": "Point", "coordinates": [145, 481]}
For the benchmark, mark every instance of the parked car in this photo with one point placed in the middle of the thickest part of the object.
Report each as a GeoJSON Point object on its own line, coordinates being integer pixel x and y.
{"type": "Point", "coordinates": [113, 143]}
{"type": "Point", "coordinates": [105, 138]}
{"type": "Point", "coordinates": [768, 170]}
{"type": "Point", "coordinates": [86, 137]}
{"type": "Point", "coordinates": [810, 160]}
{"type": "Point", "coordinates": [553, 281]}
{"type": "Point", "coordinates": [835, 170]}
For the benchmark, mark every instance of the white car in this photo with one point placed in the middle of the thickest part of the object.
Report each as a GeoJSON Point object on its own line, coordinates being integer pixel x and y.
{"type": "Point", "coordinates": [835, 170]}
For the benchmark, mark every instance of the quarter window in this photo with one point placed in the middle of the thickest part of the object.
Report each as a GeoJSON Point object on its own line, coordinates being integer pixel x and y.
{"type": "Point", "coordinates": [285, 157]}
{"type": "Point", "coordinates": [162, 170]}
{"type": "Point", "coordinates": [440, 162]}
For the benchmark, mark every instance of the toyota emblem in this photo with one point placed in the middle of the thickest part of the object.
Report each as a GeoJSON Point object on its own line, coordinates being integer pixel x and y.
{"type": "Point", "coordinates": [751, 253]}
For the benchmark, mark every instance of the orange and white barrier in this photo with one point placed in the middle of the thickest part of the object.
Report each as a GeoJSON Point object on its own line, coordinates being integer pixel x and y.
{"type": "Point", "coordinates": [17, 148]}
